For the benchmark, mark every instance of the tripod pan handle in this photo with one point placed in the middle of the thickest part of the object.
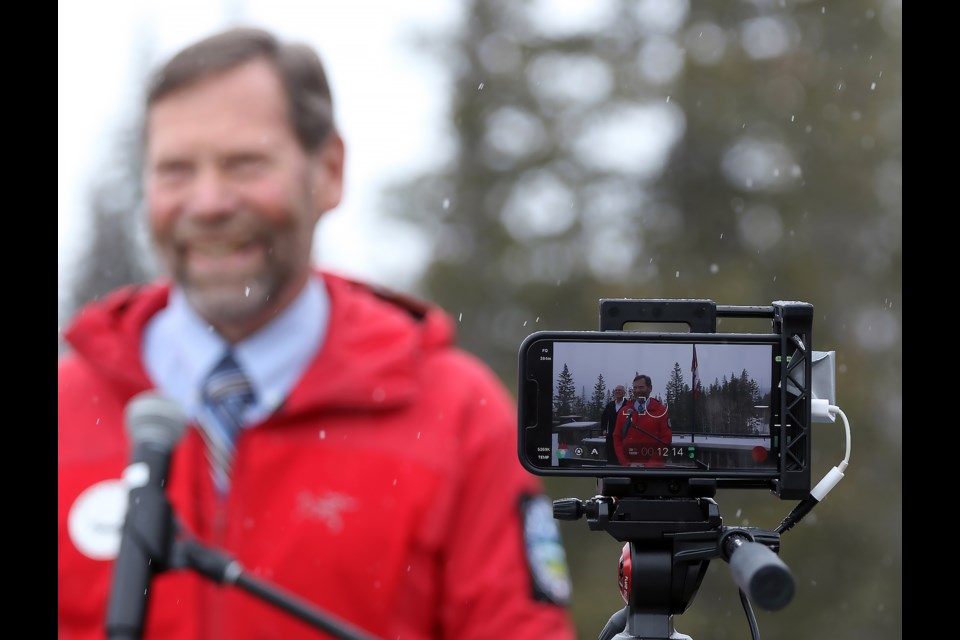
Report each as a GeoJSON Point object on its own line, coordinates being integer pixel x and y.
{"type": "Point", "coordinates": [760, 573]}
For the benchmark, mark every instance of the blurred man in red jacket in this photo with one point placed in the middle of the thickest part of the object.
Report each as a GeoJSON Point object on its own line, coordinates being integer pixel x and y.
{"type": "Point", "coordinates": [374, 473]}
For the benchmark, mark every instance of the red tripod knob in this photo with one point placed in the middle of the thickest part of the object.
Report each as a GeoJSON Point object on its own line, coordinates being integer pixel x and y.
{"type": "Point", "coordinates": [625, 573]}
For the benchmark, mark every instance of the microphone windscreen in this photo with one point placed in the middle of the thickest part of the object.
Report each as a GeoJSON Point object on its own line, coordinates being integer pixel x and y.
{"type": "Point", "coordinates": [154, 419]}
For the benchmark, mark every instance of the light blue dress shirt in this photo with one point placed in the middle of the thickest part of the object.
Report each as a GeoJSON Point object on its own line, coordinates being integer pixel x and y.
{"type": "Point", "coordinates": [180, 349]}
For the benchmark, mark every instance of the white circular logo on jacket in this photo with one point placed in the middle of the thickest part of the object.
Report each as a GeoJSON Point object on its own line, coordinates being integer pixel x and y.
{"type": "Point", "coordinates": [96, 519]}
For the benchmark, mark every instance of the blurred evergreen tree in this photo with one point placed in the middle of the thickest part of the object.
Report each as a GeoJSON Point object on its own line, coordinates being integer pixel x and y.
{"type": "Point", "coordinates": [117, 253]}
{"type": "Point", "coordinates": [742, 152]}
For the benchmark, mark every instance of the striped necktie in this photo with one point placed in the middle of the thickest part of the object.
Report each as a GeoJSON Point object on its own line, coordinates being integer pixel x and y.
{"type": "Point", "coordinates": [226, 395]}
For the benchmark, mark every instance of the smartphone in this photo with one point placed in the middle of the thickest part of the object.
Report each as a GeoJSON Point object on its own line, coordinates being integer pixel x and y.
{"type": "Point", "coordinates": [694, 405]}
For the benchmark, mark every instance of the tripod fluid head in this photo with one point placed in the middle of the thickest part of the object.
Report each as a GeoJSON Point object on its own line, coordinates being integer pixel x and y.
{"type": "Point", "coordinates": [669, 545]}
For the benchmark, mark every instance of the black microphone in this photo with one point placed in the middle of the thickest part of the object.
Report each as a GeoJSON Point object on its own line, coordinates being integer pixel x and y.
{"type": "Point", "coordinates": [154, 424]}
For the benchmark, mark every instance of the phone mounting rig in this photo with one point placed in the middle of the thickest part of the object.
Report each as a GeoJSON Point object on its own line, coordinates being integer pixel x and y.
{"type": "Point", "coordinates": [671, 527]}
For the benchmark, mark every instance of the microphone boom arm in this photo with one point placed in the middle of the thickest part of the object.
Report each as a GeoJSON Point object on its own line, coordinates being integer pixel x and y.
{"type": "Point", "coordinates": [223, 569]}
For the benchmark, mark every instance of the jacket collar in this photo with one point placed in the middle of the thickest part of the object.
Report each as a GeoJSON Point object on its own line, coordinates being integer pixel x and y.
{"type": "Point", "coordinates": [376, 341]}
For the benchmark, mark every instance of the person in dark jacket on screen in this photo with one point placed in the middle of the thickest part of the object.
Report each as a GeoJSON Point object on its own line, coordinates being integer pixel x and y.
{"type": "Point", "coordinates": [608, 420]}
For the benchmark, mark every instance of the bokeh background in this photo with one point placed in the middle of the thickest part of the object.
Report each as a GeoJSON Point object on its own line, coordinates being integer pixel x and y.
{"type": "Point", "coordinates": [564, 152]}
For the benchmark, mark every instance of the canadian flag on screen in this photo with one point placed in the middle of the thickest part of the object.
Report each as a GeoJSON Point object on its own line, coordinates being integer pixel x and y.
{"type": "Point", "coordinates": [696, 374]}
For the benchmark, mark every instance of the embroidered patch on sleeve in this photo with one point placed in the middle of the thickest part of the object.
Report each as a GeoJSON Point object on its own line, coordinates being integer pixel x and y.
{"type": "Point", "coordinates": [546, 558]}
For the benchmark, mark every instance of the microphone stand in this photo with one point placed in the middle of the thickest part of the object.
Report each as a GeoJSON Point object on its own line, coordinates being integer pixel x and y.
{"type": "Point", "coordinates": [171, 548]}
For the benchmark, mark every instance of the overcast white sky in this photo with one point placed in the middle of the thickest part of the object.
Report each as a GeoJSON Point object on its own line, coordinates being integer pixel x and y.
{"type": "Point", "coordinates": [390, 102]}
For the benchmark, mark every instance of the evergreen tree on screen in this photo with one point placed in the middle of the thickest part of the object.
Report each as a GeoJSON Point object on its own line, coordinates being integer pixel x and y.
{"type": "Point", "coordinates": [678, 398]}
{"type": "Point", "coordinates": [563, 404]}
{"type": "Point", "coordinates": [598, 399]}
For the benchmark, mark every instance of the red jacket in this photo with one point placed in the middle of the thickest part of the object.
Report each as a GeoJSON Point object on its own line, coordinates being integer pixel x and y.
{"type": "Point", "coordinates": [643, 437]}
{"type": "Point", "coordinates": [386, 490]}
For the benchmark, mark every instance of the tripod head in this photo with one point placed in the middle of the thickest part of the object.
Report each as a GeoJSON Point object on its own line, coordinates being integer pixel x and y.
{"type": "Point", "coordinates": [669, 544]}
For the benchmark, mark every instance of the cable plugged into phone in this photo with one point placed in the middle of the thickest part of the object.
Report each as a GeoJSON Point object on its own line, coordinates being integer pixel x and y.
{"type": "Point", "coordinates": [821, 411]}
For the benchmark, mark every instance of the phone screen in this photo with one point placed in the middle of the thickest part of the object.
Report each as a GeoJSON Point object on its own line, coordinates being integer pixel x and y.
{"type": "Point", "coordinates": [678, 404]}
